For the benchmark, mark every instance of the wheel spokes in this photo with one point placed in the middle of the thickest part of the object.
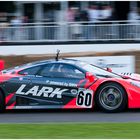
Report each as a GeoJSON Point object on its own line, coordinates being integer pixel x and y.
{"type": "Point", "coordinates": [111, 98]}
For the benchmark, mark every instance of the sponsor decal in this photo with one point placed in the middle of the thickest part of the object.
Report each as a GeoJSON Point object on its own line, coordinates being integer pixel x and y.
{"type": "Point", "coordinates": [61, 83]}
{"type": "Point", "coordinates": [45, 91]}
{"type": "Point", "coordinates": [23, 107]}
{"type": "Point", "coordinates": [74, 91]}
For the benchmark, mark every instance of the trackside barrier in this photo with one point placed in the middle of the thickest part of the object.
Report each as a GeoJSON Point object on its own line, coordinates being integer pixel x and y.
{"type": "Point", "coordinates": [2, 64]}
{"type": "Point", "coordinates": [71, 31]}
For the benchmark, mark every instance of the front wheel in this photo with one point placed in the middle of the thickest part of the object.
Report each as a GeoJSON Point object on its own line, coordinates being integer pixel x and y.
{"type": "Point", "coordinates": [111, 97]}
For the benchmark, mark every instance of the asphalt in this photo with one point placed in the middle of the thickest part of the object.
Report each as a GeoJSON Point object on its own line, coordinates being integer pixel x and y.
{"type": "Point", "coordinates": [45, 116]}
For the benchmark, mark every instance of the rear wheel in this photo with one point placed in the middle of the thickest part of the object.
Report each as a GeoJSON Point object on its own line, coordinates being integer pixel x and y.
{"type": "Point", "coordinates": [2, 102]}
{"type": "Point", "coordinates": [111, 97]}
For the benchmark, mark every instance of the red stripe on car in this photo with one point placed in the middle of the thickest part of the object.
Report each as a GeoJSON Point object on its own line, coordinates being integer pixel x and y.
{"type": "Point", "coordinates": [11, 106]}
{"type": "Point", "coordinates": [9, 97]}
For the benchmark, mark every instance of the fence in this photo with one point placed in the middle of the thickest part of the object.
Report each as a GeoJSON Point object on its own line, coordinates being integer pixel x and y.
{"type": "Point", "coordinates": [74, 31]}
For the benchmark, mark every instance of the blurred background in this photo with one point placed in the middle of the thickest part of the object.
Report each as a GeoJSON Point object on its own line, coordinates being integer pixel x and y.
{"type": "Point", "coordinates": [49, 21]}
{"type": "Point", "coordinates": [105, 33]}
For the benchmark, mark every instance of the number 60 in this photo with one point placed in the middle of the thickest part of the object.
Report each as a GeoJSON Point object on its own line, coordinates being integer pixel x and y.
{"type": "Point", "coordinates": [84, 99]}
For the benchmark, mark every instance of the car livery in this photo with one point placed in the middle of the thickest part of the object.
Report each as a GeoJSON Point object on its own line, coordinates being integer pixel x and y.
{"type": "Point", "coordinates": [67, 84]}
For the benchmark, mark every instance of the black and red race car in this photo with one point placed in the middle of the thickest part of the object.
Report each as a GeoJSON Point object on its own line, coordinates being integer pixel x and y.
{"type": "Point", "coordinates": [67, 84]}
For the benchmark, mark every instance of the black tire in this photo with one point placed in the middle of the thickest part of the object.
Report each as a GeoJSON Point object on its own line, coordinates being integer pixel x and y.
{"type": "Point", "coordinates": [2, 102]}
{"type": "Point", "coordinates": [111, 97]}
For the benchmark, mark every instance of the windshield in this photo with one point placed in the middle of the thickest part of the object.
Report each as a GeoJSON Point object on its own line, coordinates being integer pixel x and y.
{"type": "Point", "coordinates": [99, 72]}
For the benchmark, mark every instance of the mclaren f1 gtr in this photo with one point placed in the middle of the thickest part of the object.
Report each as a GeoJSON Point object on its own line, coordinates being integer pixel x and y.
{"type": "Point", "coordinates": [67, 84]}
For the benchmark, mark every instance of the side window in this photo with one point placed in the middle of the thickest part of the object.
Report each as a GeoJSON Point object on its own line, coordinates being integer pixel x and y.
{"type": "Point", "coordinates": [48, 70]}
{"type": "Point", "coordinates": [71, 72]}
{"type": "Point", "coordinates": [61, 71]}
{"type": "Point", "coordinates": [30, 71]}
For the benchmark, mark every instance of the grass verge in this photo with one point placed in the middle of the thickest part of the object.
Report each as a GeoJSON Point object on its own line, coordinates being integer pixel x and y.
{"type": "Point", "coordinates": [64, 131]}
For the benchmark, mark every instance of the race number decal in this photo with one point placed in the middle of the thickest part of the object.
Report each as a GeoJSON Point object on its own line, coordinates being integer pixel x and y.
{"type": "Point", "coordinates": [84, 98]}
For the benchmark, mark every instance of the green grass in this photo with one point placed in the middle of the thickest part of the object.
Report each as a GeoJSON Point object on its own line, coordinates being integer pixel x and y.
{"type": "Point", "coordinates": [62, 130]}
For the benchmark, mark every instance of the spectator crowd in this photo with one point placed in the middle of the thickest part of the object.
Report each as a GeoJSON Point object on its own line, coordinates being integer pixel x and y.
{"type": "Point", "coordinates": [81, 24]}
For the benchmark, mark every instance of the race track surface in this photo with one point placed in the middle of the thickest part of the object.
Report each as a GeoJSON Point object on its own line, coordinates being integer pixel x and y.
{"type": "Point", "coordinates": [54, 116]}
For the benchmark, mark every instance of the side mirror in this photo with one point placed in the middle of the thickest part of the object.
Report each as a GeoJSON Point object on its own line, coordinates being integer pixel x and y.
{"type": "Point", "coordinates": [109, 69]}
{"type": "Point", "coordinates": [90, 76]}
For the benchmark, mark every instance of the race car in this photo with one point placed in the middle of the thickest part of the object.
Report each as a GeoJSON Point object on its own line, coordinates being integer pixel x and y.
{"type": "Point", "coordinates": [67, 84]}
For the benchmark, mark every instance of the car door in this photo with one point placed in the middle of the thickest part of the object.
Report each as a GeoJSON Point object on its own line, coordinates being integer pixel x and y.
{"type": "Point", "coordinates": [12, 86]}
{"type": "Point", "coordinates": [23, 85]}
{"type": "Point", "coordinates": [57, 84]}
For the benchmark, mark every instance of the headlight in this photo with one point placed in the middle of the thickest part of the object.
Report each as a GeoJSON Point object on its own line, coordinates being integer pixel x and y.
{"type": "Point", "coordinates": [136, 84]}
